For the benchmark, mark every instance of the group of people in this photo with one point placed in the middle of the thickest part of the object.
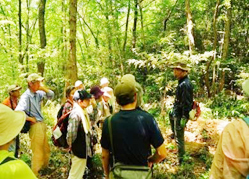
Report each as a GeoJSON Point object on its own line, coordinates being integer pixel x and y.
{"type": "Point", "coordinates": [130, 138]}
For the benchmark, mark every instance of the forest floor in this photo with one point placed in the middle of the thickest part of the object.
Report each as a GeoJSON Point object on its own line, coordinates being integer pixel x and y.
{"type": "Point", "coordinates": [201, 138]}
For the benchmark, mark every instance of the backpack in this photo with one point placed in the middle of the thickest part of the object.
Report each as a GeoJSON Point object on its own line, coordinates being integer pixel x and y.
{"type": "Point", "coordinates": [196, 106]}
{"type": "Point", "coordinates": [59, 132]}
{"type": "Point", "coordinates": [195, 113]}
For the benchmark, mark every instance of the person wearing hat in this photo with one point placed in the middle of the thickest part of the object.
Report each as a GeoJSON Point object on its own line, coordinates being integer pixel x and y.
{"type": "Point", "coordinates": [30, 103]}
{"type": "Point", "coordinates": [139, 89]}
{"type": "Point", "coordinates": [10, 167]}
{"type": "Point", "coordinates": [12, 101]}
{"type": "Point", "coordinates": [231, 159]}
{"type": "Point", "coordinates": [14, 94]}
{"type": "Point", "coordinates": [104, 82]}
{"type": "Point", "coordinates": [78, 134]}
{"type": "Point", "coordinates": [133, 132]}
{"type": "Point", "coordinates": [182, 106]}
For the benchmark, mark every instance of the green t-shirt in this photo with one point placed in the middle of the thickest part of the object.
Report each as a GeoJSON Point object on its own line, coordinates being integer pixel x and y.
{"type": "Point", "coordinates": [14, 169]}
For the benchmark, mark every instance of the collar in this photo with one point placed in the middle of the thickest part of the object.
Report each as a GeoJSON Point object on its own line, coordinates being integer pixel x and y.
{"type": "Point", "coordinates": [30, 93]}
{"type": "Point", "coordinates": [182, 79]}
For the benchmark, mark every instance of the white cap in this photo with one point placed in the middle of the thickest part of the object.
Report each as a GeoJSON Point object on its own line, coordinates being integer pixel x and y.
{"type": "Point", "coordinates": [104, 81]}
{"type": "Point", "coordinates": [77, 83]}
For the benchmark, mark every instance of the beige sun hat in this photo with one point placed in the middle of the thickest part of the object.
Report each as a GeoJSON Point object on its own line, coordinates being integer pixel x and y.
{"type": "Point", "coordinates": [245, 86]}
{"type": "Point", "coordinates": [181, 65]}
{"type": "Point", "coordinates": [34, 77]}
{"type": "Point", "coordinates": [11, 123]}
{"type": "Point", "coordinates": [14, 88]}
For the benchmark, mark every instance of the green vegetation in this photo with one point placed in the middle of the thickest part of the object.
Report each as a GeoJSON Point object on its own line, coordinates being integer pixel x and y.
{"type": "Point", "coordinates": [142, 37]}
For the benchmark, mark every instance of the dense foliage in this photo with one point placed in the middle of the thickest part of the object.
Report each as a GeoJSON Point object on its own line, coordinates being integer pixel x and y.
{"type": "Point", "coordinates": [142, 37]}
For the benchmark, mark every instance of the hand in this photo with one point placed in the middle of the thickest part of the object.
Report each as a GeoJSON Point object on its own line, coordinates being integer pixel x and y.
{"type": "Point", "coordinates": [32, 120]}
{"type": "Point", "coordinates": [150, 163]}
{"type": "Point", "coordinates": [43, 88]}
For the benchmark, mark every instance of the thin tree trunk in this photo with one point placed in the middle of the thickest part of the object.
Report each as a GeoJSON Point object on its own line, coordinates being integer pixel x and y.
{"type": "Point", "coordinates": [64, 35]}
{"type": "Point", "coordinates": [27, 36]}
{"type": "Point", "coordinates": [95, 38]}
{"type": "Point", "coordinates": [83, 34]}
{"type": "Point", "coordinates": [126, 25]}
{"type": "Point", "coordinates": [168, 16]}
{"type": "Point", "coordinates": [216, 12]}
{"type": "Point", "coordinates": [227, 30]}
{"type": "Point", "coordinates": [142, 23]}
{"type": "Point", "coordinates": [71, 75]}
{"type": "Point", "coordinates": [41, 63]}
{"type": "Point", "coordinates": [190, 27]}
{"type": "Point", "coordinates": [134, 39]}
{"type": "Point", "coordinates": [214, 25]}
{"type": "Point", "coordinates": [20, 31]}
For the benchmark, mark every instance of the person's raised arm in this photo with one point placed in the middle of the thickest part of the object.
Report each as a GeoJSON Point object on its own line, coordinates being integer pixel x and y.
{"type": "Point", "coordinates": [49, 93]}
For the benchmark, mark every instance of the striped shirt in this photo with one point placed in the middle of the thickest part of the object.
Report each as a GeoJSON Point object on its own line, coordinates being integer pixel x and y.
{"type": "Point", "coordinates": [30, 103]}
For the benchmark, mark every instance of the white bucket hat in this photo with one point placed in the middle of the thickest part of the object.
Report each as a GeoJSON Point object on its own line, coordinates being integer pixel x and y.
{"type": "Point", "coordinates": [245, 86]}
{"type": "Point", "coordinates": [11, 123]}
{"type": "Point", "coordinates": [77, 83]}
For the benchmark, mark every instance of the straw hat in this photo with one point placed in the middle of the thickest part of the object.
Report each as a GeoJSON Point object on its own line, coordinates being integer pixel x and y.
{"type": "Point", "coordinates": [11, 123]}
{"type": "Point", "coordinates": [34, 77]}
{"type": "Point", "coordinates": [245, 86]}
{"type": "Point", "coordinates": [181, 65]}
{"type": "Point", "coordinates": [14, 88]}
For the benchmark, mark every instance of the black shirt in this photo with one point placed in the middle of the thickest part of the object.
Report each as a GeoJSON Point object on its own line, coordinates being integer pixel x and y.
{"type": "Point", "coordinates": [184, 98]}
{"type": "Point", "coordinates": [133, 132]}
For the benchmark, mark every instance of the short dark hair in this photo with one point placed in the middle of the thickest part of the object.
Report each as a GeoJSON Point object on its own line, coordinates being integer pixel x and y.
{"type": "Point", "coordinates": [81, 95]}
{"type": "Point", "coordinates": [125, 99]}
{"type": "Point", "coordinates": [68, 90]}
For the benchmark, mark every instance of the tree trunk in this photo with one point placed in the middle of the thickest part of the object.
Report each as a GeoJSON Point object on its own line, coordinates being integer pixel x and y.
{"type": "Point", "coordinates": [134, 39]}
{"type": "Point", "coordinates": [64, 36]}
{"type": "Point", "coordinates": [20, 32]}
{"type": "Point", "coordinates": [168, 16]}
{"type": "Point", "coordinates": [227, 30]}
{"type": "Point", "coordinates": [126, 25]}
{"type": "Point", "coordinates": [216, 12]}
{"type": "Point", "coordinates": [142, 24]}
{"type": "Point", "coordinates": [190, 27]}
{"type": "Point", "coordinates": [71, 75]}
{"type": "Point", "coordinates": [41, 63]}
{"type": "Point", "coordinates": [27, 36]}
{"type": "Point", "coordinates": [95, 38]}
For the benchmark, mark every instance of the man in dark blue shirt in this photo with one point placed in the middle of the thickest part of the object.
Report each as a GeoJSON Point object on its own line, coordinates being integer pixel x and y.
{"type": "Point", "coordinates": [133, 131]}
{"type": "Point", "coordinates": [182, 106]}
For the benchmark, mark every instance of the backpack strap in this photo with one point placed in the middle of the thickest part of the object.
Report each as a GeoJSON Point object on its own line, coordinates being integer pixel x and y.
{"type": "Point", "coordinates": [110, 134]}
{"type": "Point", "coordinates": [7, 159]}
{"type": "Point", "coordinates": [246, 119]}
